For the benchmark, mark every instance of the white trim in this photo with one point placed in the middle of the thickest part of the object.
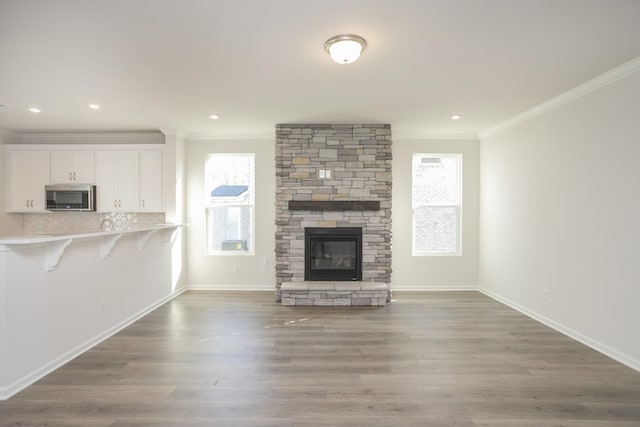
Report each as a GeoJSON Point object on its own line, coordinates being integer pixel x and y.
{"type": "Point", "coordinates": [233, 136]}
{"type": "Point", "coordinates": [431, 136]}
{"type": "Point", "coordinates": [27, 380]}
{"type": "Point", "coordinates": [93, 138]}
{"type": "Point", "coordinates": [571, 333]}
{"type": "Point", "coordinates": [602, 80]}
{"type": "Point", "coordinates": [94, 147]}
{"type": "Point", "coordinates": [231, 287]}
{"type": "Point", "coordinates": [432, 288]}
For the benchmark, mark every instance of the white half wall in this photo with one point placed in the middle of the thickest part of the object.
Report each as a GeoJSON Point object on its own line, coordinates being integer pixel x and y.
{"type": "Point", "coordinates": [217, 272]}
{"type": "Point", "coordinates": [49, 317]}
{"type": "Point", "coordinates": [560, 218]}
{"type": "Point", "coordinates": [434, 272]}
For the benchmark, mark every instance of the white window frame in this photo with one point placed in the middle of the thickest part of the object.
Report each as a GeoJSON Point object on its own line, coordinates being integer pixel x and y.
{"type": "Point", "coordinates": [251, 203]}
{"type": "Point", "coordinates": [457, 207]}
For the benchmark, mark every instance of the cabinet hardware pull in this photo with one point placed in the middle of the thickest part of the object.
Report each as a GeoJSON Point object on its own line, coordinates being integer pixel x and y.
{"type": "Point", "coordinates": [74, 176]}
{"type": "Point", "coordinates": [70, 178]}
{"type": "Point", "coordinates": [143, 203]}
{"type": "Point", "coordinates": [27, 203]}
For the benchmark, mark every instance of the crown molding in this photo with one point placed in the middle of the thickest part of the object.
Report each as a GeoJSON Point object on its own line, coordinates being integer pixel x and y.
{"type": "Point", "coordinates": [431, 136]}
{"type": "Point", "coordinates": [8, 137]}
{"type": "Point", "coordinates": [231, 136]}
{"type": "Point", "coordinates": [93, 138]}
{"type": "Point", "coordinates": [178, 133]}
{"type": "Point", "coordinates": [611, 76]}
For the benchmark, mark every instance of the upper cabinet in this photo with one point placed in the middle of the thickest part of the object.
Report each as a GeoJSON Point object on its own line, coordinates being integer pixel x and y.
{"type": "Point", "coordinates": [150, 181]}
{"type": "Point", "coordinates": [69, 166]}
{"type": "Point", "coordinates": [27, 174]}
{"type": "Point", "coordinates": [117, 180]}
{"type": "Point", "coordinates": [128, 178]}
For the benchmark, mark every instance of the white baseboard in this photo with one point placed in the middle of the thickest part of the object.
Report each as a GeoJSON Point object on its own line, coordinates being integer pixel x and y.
{"type": "Point", "coordinates": [571, 333]}
{"type": "Point", "coordinates": [431, 288]}
{"type": "Point", "coordinates": [27, 380]}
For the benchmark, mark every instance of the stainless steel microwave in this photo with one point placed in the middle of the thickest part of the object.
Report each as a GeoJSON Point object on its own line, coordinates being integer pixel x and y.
{"type": "Point", "coordinates": [71, 197]}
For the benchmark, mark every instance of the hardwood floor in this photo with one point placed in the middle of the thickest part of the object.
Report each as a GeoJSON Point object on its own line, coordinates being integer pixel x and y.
{"type": "Point", "coordinates": [426, 359]}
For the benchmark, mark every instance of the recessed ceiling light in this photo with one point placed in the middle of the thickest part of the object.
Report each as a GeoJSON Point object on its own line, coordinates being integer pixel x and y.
{"type": "Point", "coordinates": [94, 106]}
{"type": "Point", "coordinates": [34, 110]}
{"type": "Point", "coordinates": [214, 116]}
{"type": "Point", "coordinates": [3, 105]}
{"type": "Point", "coordinates": [455, 117]}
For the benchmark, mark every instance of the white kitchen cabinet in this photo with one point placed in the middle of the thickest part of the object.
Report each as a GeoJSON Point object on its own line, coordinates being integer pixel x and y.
{"type": "Point", "coordinates": [27, 174]}
{"type": "Point", "coordinates": [69, 166]}
{"type": "Point", "coordinates": [150, 181]}
{"type": "Point", "coordinates": [117, 181]}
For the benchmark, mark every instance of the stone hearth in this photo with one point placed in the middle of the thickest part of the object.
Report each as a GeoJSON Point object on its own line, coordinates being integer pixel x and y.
{"type": "Point", "coordinates": [319, 164]}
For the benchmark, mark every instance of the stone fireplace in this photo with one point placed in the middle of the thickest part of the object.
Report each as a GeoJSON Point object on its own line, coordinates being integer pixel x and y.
{"type": "Point", "coordinates": [333, 176]}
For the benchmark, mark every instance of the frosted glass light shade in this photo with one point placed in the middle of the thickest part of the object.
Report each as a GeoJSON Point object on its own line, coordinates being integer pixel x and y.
{"type": "Point", "coordinates": [345, 48]}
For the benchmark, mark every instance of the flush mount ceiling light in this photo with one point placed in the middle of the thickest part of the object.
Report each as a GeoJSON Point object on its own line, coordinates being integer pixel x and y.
{"type": "Point", "coordinates": [345, 48]}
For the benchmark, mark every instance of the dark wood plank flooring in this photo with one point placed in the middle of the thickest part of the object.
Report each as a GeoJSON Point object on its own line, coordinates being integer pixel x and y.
{"type": "Point", "coordinates": [426, 359]}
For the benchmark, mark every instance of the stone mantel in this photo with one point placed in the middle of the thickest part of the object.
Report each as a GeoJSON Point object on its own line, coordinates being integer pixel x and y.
{"type": "Point", "coordinates": [334, 205]}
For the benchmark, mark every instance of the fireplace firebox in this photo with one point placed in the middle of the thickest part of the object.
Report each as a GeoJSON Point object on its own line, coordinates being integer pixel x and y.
{"type": "Point", "coordinates": [333, 253]}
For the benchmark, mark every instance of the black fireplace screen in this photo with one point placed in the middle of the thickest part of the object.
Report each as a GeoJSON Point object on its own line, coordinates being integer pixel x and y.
{"type": "Point", "coordinates": [333, 253]}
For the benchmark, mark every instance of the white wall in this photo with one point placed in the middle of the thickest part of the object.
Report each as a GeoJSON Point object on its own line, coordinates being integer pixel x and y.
{"type": "Point", "coordinates": [434, 272]}
{"type": "Point", "coordinates": [10, 224]}
{"type": "Point", "coordinates": [173, 193]}
{"type": "Point", "coordinates": [216, 272]}
{"type": "Point", "coordinates": [560, 218]}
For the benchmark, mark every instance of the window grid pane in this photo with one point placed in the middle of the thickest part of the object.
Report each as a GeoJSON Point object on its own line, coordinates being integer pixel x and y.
{"type": "Point", "coordinates": [435, 181]}
{"type": "Point", "coordinates": [436, 229]}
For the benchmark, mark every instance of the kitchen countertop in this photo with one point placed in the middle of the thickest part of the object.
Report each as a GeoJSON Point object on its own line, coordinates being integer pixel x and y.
{"type": "Point", "coordinates": [29, 239]}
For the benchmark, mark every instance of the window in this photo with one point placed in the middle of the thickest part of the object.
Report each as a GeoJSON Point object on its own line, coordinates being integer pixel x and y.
{"type": "Point", "coordinates": [437, 203]}
{"type": "Point", "coordinates": [229, 200]}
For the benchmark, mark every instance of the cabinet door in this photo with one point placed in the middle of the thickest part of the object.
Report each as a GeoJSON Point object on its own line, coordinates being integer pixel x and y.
{"type": "Point", "coordinates": [116, 174]}
{"type": "Point", "coordinates": [150, 181]}
{"type": "Point", "coordinates": [83, 166]}
{"type": "Point", "coordinates": [61, 167]}
{"type": "Point", "coordinates": [18, 183]}
{"type": "Point", "coordinates": [127, 181]}
{"type": "Point", "coordinates": [105, 178]}
{"type": "Point", "coordinates": [27, 174]}
{"type": "Point", "coordinates": [39, 177]}
{"type": "Point", "coordinates": [72, 166]}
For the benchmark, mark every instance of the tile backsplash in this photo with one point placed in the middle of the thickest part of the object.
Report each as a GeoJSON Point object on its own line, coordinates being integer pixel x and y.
{"type": "Point", "coordinates": [82, 222]}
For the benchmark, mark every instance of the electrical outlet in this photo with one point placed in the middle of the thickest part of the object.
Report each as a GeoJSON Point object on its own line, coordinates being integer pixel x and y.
{"type": "Point", "coordinates": [236, 269]}
{"type": "Point", "coordinates": [101, 305]}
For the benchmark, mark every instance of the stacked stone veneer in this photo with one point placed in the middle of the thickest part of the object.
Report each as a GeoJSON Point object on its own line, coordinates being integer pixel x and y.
{"type": "Point", "coordinates": [359, 158]}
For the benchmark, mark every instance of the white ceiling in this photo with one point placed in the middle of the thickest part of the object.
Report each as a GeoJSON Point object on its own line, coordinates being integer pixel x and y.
{"type": "Point", "coordinates": [169, 64]}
